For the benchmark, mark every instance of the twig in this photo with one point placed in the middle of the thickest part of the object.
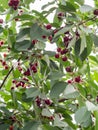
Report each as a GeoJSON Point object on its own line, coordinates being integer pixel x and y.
{"type": "Point", "coordinates": [6, 77]}
{"type": "Point", "coordinates": [93, 18]}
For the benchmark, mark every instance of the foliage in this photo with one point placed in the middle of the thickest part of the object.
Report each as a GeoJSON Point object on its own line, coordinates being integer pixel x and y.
{"type": "Point", "coordinates": [44, 89]}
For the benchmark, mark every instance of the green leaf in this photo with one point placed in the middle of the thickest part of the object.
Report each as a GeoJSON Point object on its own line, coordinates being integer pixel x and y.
{"type": "Point", "coordinates": [4, 126]}
{"type": "Point", "coordinates": [46, 112]}
{"type": "Point", "coordinates": [6, 111]}
{"type": "Point", "coordinates": [57, 89]}
{"type": "Point", "coordinates": [89, 44]}
{"type": "Point", "coordinates": [23, 34]}
{"type": "Point", "coordinates": [83, 47]}
{"type": "Point", "coordinates": [77, 47]}
{"type": "Point", "coordinates": [72, 42]}
{"type": "Point", "coordinates": [83, 117]}
{"type": "Point", "coordinates": [24, 17]}
{"type": "Point", "coordinates": [68, 7]}
{"type": "Point", "coordinates": [23, 45]}
{"type": "Point", "coordinates": [48, 127]}
{"type": "Point", "coordinates": [32, 92]}
{"type": "Point", "coordinates": [4, 3]}
{"type": "Point", "coordinates": [27, 2]}
{"type": "Point", "coordinates": [68, 128]}
{"type": "Point", "coordinates": [95, 39]}
{"type": "Point", "coordinates": [1, 29]}
{"type": "Point", "coordinates": [55, 75]}
{"type": "Point", "coordinates": [63, 30]}
{"type": "Point", "coordinates": [86, 8]}
{"type": "Point", "coordinates": [83, 42]}
{"type": "Point", "coordinates": [36, 32]}
{"type": "Point", "coordinates": [70, 92]}
{"type": "Point", "coordinates": [33, 125]}
{"type": "Point", "coordinates": [48, 4]}
{"type": "Point", "coordinates": [40, 45]}
{"type": "Point", "coordinates": [59, 123]}
{"type": "Point", "coordinates": [81, 2]}
{"type": "Point", "coordinates": [91, 107]}
{"type": "Point", "coordinates": [96, 123]}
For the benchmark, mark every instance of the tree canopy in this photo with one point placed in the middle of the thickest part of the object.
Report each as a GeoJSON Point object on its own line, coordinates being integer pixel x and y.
{"type": "Point", "coordinates": [43, 89]}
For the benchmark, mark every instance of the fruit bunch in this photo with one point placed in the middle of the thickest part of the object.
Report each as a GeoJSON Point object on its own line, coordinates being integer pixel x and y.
{"type": "Point", "coordinates": [14, 4]}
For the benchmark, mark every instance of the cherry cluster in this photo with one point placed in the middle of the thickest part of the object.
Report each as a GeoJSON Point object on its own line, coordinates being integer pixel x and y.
{"type": "Point", "coordinates": [21, 83]}
{"type": "Point", "coordinates": [61, 53]}
{"type": "Point", "coordinates": [33, 68]}
{"type": "Point", "coordinates": [41, 103]}
{"type": "Point", "coordinates": [77, 79]}
{"type": "Point", "coordinates": [4, 64]}
{"type": "Point", "coordinates": [14, 4]}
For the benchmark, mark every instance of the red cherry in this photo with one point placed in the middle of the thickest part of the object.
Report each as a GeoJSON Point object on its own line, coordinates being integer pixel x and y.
{"type": "Point", "coordinates": [11, 127]}
{"type": "Point", "coordinates": [78, 79]}
{"type": "Point", "coordinates": [57, 55]}
{"type": "Point", "coordinates": [4, 54]}
{"type": "Point", "coordinates": [60, 15]}
{"type": "Point", "coordinates": [48, 26]}
{"type": "Point", "coordinates": [51, 118]}
{"type": "Point", "coordinates": [47, 101]}
{"type": "Point", "coordinates": [95, 12]}
{"type": "Point", "coordinates": [1, 42]}
{"type": "Point", "coordinates": [1, 21]}
{"type": "Point", "coordinates": [59, 49]}
{"type": "Point", "coordinates": [6, 67]}
{"type": "Point", "coordinates": [34, 41]}
{"type": "Point", "coordinates": [3, 63]}
{"type": "Point", "coordinates": [12, 88]}
{"type": "Point", "coordinates": [38, 101]}
{"type": "Point", "coordinates": [64, 58]}
{"type": "Point", "coordinates": [70, 81]}
{"type": "Point", "coordinates": [97, 99]}
{"type": "Point", "coordinates": [64, 51]}
{"type": "Point", "coordinates": [44, 37]}
{"type": "Point", "coordinates": [68, 69]}
{"type": "Point", "coordinates": [66, 39]}
{"type": "Point", "coordinates": [50, 38]}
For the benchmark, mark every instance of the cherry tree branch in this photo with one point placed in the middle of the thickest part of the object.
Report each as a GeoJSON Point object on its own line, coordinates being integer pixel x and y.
{"type": "Point", "coordinates": [6, 77]}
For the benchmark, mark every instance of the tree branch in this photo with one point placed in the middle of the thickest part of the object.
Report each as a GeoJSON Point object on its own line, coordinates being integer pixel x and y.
{"type": "Point", "coordinates": [93, 18]}
{"type": "Point", "coordinates": [6, 77]}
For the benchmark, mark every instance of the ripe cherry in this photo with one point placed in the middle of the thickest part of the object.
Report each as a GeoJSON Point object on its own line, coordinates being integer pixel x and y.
{"type": "Point", "coordinates": [6, 67]}
{"type": "Point", "coordinates": [48, 26]}
{"type": "Point", "coordinates": [50, 38]}
{"type": "Point", "coordinates": [58, 49]}
{"type": "Point", "coordinates": [95, 12]}
{"type": "Point", "coordinates": [66, 39]}
{"type": "Point", "coordinates": [47, 102]}
{"type": "Point", "coordinates": [97, 99]}
{"type": "Point", "coordinates": [44, 37]}
{"type": "Point", "coordinates": [64, 51]}
{"type": "Point", "coordinates": [57, 55]}
{"type": "Point", "coordinates": [1, 21]}
{"type": "Point", "coordinates": [68, 69]}
{"type": "Point", "coordinates": [64, 58]}
{"type": "Point", "coordinates": [78, 79]}
{"type": "Point", "coordinates": [11, 127]}
{"type": "Point", "coordinates": [34, 41]}
{"type": "Point", "coordinates": [60, 15]}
